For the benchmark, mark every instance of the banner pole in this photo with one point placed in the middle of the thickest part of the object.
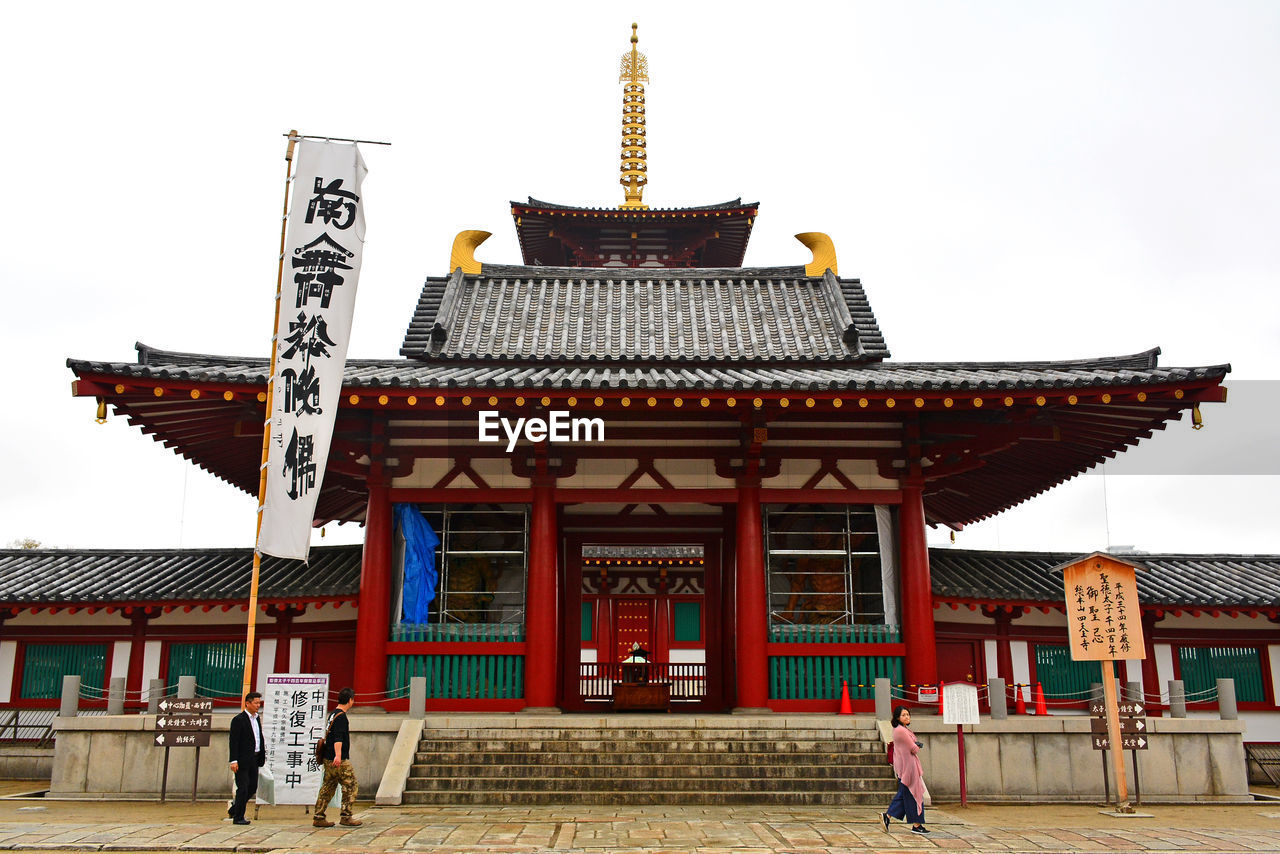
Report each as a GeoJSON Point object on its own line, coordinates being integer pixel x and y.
{"type": "Point", "coordinates": [246, 687]}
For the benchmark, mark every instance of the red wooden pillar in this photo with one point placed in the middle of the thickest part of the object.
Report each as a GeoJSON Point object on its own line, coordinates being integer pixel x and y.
{"type": "Point", "coordinates": [137, 647]}
{"type": "Point", "coordinates": [1004, 652]}
{"type": "Point", "coordinates": [283, 633]}
{"type": "Point", "coordinates": [542, 600]}
{"type": "Point", "coordinates": [917, 593]}
{"type": "Point", "coordinates": [1150, 675]}
{"type": "Point", "coordinates": [662, 622]}
{"type": "Point", "coordinates": [374, 624]}
{"type": "Point", "coordinates": [752, 607]}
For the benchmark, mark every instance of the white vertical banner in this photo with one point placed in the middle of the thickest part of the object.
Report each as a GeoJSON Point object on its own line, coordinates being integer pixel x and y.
{"type": "Point", "coordinates": [293, 720]}
{"type": "Point", "coordinates": [323, 249]}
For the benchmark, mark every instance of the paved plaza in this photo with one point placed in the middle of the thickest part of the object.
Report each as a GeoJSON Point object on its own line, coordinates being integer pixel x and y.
{"type": "Point", "coordinates": [37, 824]}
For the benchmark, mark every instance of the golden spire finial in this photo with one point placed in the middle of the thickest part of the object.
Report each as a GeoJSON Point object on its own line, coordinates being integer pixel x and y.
{"type": "Point", "coordinates": [635, 73]}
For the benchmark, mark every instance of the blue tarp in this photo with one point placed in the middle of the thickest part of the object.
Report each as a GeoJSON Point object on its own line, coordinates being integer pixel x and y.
{"type": "Point", "coordinates": [420, 575]}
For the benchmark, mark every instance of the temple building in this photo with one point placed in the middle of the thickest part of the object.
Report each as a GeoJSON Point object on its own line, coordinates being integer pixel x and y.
{"type": "Point", "coordinates": [721, 464]}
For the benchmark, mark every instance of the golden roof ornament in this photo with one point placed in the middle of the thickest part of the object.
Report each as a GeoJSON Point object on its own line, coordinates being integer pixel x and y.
{"type": "Point", "coordinates": [634, 73]}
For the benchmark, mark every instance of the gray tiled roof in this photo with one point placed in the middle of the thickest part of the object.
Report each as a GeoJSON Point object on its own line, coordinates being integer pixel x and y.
{"type": "Point", "coordinates": [1134, 370]}
{"type": "Point", "coordinates": [1204, 581]}
{"type": "Point", "coordinates": [637, 314]}
{"type": "Point", "coordinates": [110, 576]}
{"type": "Point", "coordinates": [88, 576]}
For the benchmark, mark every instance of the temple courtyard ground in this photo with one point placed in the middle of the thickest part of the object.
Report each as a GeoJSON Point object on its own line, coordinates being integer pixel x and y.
{"type": "Point", "coordinates": [179, 825]}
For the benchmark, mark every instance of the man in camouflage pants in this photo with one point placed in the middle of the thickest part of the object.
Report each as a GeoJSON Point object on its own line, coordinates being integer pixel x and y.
{"type": "Point", "coordinates": [337, 765]}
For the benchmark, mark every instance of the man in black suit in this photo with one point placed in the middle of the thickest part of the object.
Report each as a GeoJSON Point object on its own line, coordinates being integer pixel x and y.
{"type": "Point", "coordinates": [248, 754]}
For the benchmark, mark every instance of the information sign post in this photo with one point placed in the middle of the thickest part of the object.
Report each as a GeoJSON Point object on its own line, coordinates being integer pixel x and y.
{"type": "Point", "coordinates": [960, 707]}
{"type": "Point", "coordinates": [1105, 625]}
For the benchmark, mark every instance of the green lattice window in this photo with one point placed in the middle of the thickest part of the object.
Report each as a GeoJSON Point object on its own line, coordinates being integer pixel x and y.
{"type": "Point", "coordinates": [1061, 676]}
{"type": "Point", "coordinates": [687, 622]}
{"type": "Point", "coordinates": [44, 665]}
{"type": "Point", "coordinates": [218, 667]}
{"type": "Point", "coordinates": [1202, 666]}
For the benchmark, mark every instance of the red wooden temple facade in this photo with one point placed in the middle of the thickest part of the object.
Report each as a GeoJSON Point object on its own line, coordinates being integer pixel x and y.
{"type": "Point", "coordinates": [754, 512]}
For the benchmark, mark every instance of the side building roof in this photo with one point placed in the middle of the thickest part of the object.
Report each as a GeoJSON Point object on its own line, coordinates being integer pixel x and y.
{"type": "Point", "coordinates": [105, 577]}
{"type": "Point", "coordinates": [1175, 580]}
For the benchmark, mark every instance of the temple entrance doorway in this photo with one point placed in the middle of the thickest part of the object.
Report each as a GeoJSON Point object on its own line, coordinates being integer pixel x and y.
{"type": "Point", "coordinates": [658, 593]}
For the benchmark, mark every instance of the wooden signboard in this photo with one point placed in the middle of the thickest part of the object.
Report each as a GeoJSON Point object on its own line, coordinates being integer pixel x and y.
{"type": "Point", "coordinates": [1104, 624]}
{"type": "Point", "coordinates": [1103, 619]}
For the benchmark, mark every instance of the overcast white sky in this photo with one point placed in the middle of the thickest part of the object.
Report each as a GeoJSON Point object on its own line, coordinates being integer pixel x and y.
{"type": "Point", "coordinates": [1010, 180]}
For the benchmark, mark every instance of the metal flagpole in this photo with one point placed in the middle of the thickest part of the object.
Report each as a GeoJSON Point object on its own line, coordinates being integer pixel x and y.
{"type": "Point", "coordinates": [266, 431]}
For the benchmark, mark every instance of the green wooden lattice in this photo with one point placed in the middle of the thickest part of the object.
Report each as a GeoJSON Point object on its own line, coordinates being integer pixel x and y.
{"type": "Point", "coordinates": [466, 677]}
{"type": "Point", "coordinates": [819, 677]}
{"type": "Point", "coordinates": [1202, 666]}
{"type": "Point", "coordinates": [1062, 676]}
{"type": "Point", "coordinates": [44, 665]}
{"type": "Point", "coordinates": [217, 667]}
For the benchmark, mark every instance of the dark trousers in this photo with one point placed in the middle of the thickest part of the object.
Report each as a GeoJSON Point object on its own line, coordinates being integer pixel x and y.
{"type": "Point", "coordinates": [903, 806]}
{"type": "Point", "coordinates": [246, 787]}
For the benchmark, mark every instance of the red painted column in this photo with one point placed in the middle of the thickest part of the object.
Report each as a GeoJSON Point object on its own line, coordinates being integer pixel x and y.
{"type": "Point", "coordinates": [1150, 676]}
{"type": "Point", "coordinates": [1004, 653]}
{"type": "Point", "coordinates": [284, 631]}
{"type": "Point", "coordinates": [374, 624]}
{"type": "Point", "coordinates": [917, 593]}
{"type": "Point", "coordinates": [752, 606]}
{"type": "Point", "coordinates": [137, 647]}
{"type": "Point", "coordinates": [542, 600]}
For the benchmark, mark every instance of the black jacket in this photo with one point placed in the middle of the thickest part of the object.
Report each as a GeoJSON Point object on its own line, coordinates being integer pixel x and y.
{"type": "Point", "coordinates": [242, 748]}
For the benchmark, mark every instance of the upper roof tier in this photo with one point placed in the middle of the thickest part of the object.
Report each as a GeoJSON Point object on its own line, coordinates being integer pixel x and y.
{"type": "Point", "coordinates": [565, 236]}
{"type": "Point", "coordinates": [737, 315]}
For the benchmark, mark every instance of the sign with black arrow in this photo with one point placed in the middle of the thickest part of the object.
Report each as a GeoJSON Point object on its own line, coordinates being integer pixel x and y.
{"type": "Point", "coordinates": [182, 739]}
{"type": "Point", "coordinates": [1127, 742]}
{"type": "Point", "coordinates": [1127, 710]}
{"type": "Point", "coordinates": [183, 723]}
{"type": "Point", "coordinates": [175, 706]}
{"type": "Point", "coordinates": [1127, 725]}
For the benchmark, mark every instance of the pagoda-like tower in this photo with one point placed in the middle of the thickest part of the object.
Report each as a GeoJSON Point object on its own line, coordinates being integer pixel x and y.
{"type": "Point", "coordinates": [635, 73]}
{"type": "Point", "coordinates": [633, 234]}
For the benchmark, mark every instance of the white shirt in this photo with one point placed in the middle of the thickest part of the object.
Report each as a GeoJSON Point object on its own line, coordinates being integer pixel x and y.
{"type": "Point", "coordinates": [257, 733]}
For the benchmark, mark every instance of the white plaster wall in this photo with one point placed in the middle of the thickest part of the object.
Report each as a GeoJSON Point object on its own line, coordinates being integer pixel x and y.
{"type": "Point", "coordinates": [151, 662]}
{"type": "Point", "coordinates": [426, 473]}
{"type": "Point", "coordinates": [865, 474]}
{"type": "Point", "coordinates": [792, 474]}
{"type": "Point", "coordinates": [990, 653]}
{"type": "Point", "coordinates": [266, 663]}
{"type": "Point", "coordinates": [1164, 666]}
{"type": "Point", "coordinates": [1261, 726]}
{"type": "Point", "coordinates": [692, 474]}
{"type": "Point", "coordinates": [295, 655]}
{"type": "Point", "coordinates": [8, 657]}
{"type": "Point", "coordinates": [120, 659]}
{"type": "Point", "coordinates": [687, 656]}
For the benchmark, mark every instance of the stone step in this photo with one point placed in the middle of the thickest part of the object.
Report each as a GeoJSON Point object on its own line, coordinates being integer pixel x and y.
{"type": "Point", "coordinates": [622, 758]}
{"type": "Point", "coordinates": [685, 771]}
{"type": "Point", "coordinates": [632, 798]}
{"type": "Point", "coordinates": [428, 745]}
{"type": "Point", "coordinates": [649, 784]}
{"type": "Point", "coordinates": [664, 733]}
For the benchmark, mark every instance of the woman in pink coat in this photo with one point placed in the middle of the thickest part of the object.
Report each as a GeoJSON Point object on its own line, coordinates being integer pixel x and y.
{"type": "Point", "coordinates": [908, 803]}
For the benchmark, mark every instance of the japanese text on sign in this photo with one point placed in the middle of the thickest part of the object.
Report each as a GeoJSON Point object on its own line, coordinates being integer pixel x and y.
{"type": "Point", "coordinates": [1103, 619]}
{"type": "Point", "coordinates": [293, 720]}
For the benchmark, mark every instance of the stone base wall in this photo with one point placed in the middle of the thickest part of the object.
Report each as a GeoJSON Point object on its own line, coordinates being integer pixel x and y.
{"type": "Point", "coordinates": [116, 756]}
{"type": "Point", "coordinates": [26, 763]}
{"type": "Point", "coordinates": [1052, 759]}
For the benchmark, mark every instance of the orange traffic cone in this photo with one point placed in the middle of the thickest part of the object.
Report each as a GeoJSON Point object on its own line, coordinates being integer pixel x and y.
{"type": "Point", "coordinates": [1019, 704]}
{"type": "Point", "coordinates": [846, 705]}
{"type": "Point", "coordinates": [1040, 706]}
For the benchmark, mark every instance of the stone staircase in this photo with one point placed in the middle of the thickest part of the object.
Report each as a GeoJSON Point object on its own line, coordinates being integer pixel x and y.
{"type": "Point", "coordinates": [616, 760]}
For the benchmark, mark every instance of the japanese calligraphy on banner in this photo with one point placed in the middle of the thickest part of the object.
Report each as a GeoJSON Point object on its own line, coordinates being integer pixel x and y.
{"type": "Point", "coordinates": [1103, 618]}
{"type": "Point", "coordinates": [293, 721]}
{"type": "Point", "coordinates": [323, 250]}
